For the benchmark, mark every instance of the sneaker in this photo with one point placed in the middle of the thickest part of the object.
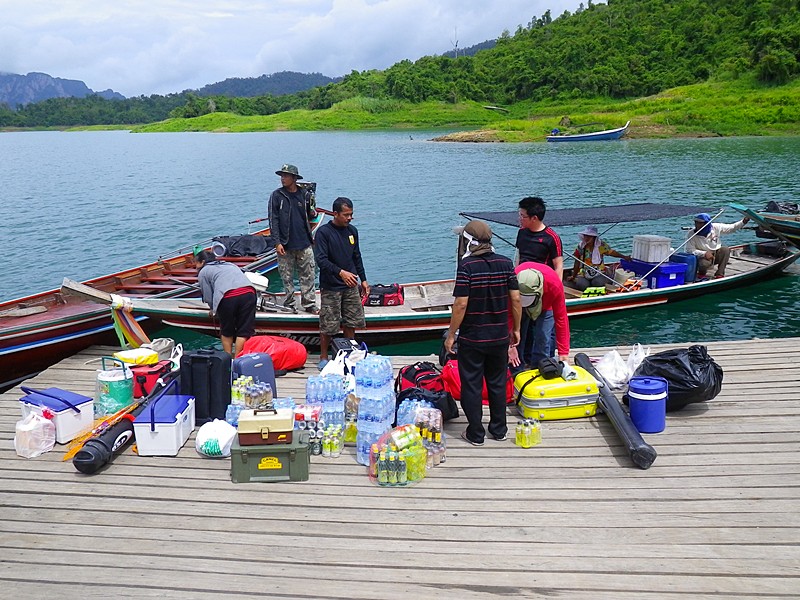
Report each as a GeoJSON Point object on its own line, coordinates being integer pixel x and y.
{"type": "Point", "coordinates": [501, 438]}
{"type": "Point", "coordinates": [322, 364]}
{"type": "Point", "coordinates": [469, 441]}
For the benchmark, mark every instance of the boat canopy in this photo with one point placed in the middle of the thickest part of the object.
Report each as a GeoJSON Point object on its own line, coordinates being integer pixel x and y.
{"type": "Point", "coordinates": [620, 213]}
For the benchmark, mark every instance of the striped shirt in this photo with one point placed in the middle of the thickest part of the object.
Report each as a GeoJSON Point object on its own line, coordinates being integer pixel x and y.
{"type": "Point", "coordinates": [486, 281]}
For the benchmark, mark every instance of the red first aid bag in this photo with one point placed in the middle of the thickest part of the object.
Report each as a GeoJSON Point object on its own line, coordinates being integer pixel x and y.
{"type": "Point", "coordinates": [286, 354]}
{"type": "Point", "coordinates": [452, 383]}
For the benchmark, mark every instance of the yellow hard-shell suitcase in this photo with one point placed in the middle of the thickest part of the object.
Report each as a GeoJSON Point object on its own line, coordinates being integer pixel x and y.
{"type": "Point", "coordinates": [553, 399]}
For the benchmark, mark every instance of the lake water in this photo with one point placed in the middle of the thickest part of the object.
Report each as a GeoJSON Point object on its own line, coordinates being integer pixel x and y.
{"type": "Point", "coordinates": [89, 203]}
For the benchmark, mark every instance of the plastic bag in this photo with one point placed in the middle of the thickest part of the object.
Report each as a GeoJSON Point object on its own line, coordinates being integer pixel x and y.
{"type": "Point", "coordinates": [215, 439]}
{"type": "Point", "coordinates": [635, 358]}
{"type": "Point", "coordinates": [614, 369]}
{"type": "Point", "coordinates": [34, 435]}
{"type": "Point", "coordinates": [691, 373]}
{"type": "Point", "coordinates": [162, 346]}
{"type": "Point", "coordinates": [336, 366]}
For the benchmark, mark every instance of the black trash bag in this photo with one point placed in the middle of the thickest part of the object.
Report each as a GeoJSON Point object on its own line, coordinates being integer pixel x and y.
{"type": "Point", "coordinates": [691, 373]}
{"type": "Point", "coordinates": [786, 208]}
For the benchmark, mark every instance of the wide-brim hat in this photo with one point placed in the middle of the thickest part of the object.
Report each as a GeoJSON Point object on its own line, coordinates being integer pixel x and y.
{"type": "Point", "coordinates": [288, 170]}
{"type": "Point", "coordinates": [531, 289]}
{"type": "Point", "coordinates": [589, 230]}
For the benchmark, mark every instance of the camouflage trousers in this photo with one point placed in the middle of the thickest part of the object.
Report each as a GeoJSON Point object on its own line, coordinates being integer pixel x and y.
{"type": "Point", "coordinates": [301, 261]}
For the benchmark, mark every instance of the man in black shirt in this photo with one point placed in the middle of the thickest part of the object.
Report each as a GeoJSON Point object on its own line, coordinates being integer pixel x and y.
{"type": "Point", "coordinates": [536, 242]}
{"type": "Point", "coordinates": [290, 210]}
{"type": "Point", "coordinates": [338, 256]}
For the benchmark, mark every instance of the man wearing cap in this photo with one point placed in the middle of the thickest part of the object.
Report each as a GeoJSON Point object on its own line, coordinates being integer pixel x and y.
{"type": "Point", "coordinates": [540, 291]}
{"type": "Point", "coordinates": [704, 243]}
{"type": "Point", "coordinates": [291, 209]}
{"type": "Point", "coordinates": [486, 290]}
{"type": "Point", "coordinates": [231, 296]}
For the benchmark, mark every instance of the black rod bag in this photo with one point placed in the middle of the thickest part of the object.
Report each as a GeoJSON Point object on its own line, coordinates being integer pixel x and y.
{"type": "Point", "coordinates": [642, 454]}
{"type": "Point", "coordinates": [99, 450]}
{"type": "Point", "coordinates": [691, 373]}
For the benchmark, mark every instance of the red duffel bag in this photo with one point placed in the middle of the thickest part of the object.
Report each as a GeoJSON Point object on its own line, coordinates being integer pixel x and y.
{"type": "Point", "coordinates": [452, 383]}
{"type": "Point", "coordinates": [286, 354]}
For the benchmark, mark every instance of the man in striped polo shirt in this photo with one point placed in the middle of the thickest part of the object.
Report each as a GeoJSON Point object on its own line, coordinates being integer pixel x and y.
{"type": "Point", "coordinates": [486, 288]}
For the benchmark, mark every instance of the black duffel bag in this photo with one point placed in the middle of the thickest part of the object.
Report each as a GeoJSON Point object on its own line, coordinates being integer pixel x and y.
{"type": "Point", "coordinates": [441, 400]}
{"type": "Point", "coordinates": [691, 373]}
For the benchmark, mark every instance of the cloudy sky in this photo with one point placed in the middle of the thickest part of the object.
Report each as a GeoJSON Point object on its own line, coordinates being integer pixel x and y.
{"type": "Point", "coordinates": [161, 46]}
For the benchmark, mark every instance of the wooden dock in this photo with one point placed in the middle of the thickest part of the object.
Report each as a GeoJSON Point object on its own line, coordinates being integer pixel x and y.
{"type": "Point", "coordinates": [716, 516]}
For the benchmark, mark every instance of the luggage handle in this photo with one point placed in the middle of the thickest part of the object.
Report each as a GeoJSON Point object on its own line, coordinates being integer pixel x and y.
{"type": "Point", "coordinates": [28, 390]}
{"type": "Point", "coordinates": [163, 393]}
{"type": "Point", "coordinates": [264, 410]}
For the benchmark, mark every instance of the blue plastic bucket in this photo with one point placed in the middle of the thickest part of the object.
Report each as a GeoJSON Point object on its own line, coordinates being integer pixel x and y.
{"type": "Point", "coordinates": [647, 400]}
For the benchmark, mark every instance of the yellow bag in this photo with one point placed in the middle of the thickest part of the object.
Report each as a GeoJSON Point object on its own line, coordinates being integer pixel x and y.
{"type": "Point", "coordinates": [137, 356]}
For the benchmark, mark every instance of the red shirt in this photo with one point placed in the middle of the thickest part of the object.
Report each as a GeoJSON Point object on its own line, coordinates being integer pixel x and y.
{"type": "Point", "coordinates": [552, 299]}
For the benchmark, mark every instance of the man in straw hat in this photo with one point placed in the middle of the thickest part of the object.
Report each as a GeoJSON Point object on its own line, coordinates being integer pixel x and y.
{"type": "Point", "coordinates": [486, 290]}
{"type": "Point", "coordinates": [291, 209]}
{"type": "Point", "coordinates": [540, 291]}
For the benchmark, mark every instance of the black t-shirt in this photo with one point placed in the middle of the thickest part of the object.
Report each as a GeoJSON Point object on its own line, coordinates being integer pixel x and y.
{"type": "Point", "coordinates": [337, 248]}
{"type": "Point", "coordinates": [486, 281]}
{"type": "Point", "coordinates": [298, 230]}
{"type": "Point", "coordinates": [538, 246]}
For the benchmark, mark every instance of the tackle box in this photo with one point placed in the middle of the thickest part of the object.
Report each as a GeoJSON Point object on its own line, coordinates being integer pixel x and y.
{"type": "Point", "coordinates": [554, 399]}
{"type": "Point", "coordinates": [263, 427]}
{"type": "Point", "coordinates": [164, 425]}
{"type": "Point", "coordinates": [276, 462]}
{"type": "Point", "coordinates": [73, 414]}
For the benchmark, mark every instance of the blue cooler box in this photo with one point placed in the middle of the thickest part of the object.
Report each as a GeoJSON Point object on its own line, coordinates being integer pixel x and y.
{"type": "Point", "coordinates": [668, 274]}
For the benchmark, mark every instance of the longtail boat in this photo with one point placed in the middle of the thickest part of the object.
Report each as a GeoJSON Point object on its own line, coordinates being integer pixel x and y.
{"type": "Point", "coordinates": [39, 330]}
{"type": "Point", "coordinates": [597, 136]}
{"type": "Point", "coordinates": [425, 313]}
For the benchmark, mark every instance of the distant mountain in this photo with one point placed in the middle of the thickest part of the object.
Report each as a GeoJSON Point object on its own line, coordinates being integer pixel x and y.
{"type": "Point", "coordinates": [19, 90]}
{"type": "Point", "coordinates": [277, 84]}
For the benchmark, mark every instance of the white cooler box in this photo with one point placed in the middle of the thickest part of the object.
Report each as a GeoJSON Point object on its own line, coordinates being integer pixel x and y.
{"type": "Point", "coordinates": [73, 414]}
{"type": "Point", "coordinates": [651, 248]}
{"type": "Point", "coordinates": [164, 425]}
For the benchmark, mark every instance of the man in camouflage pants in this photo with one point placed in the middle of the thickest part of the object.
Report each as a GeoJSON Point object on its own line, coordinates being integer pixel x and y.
{"type": "Point", "coordinates": [290, 210]}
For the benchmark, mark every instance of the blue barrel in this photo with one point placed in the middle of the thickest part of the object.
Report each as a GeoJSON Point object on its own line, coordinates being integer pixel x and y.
{"type": "Point", "coordinates": [691, 264]}
{"type": "Point", "coordinates": [647, 399]}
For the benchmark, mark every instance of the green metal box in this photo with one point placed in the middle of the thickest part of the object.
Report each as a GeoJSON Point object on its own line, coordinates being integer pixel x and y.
{"type": "Point", "coordinates": [275, 462]}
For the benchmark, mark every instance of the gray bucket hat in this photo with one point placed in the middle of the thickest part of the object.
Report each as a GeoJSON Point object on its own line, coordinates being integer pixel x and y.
{"type": "Point", "coordinates": [288, 170]}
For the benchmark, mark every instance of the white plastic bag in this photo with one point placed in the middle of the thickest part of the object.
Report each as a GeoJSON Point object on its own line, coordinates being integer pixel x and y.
{"type": "Point", "coordinates": [635, 358]}
{"type": "Point", "coordinates": [215, 438]}
{"type": "Point", "coordinates": [163, 346]}
{"type": "Point", "coordinates": [614, 369]}
{"type": "Point", "coordinates": [336, 366]}
{"type": "Point", "coordinates": [35, 435]}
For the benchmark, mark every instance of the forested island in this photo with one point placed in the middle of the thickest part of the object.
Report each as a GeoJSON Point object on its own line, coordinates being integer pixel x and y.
{"type": "Point", "coordinates": [672, 67]}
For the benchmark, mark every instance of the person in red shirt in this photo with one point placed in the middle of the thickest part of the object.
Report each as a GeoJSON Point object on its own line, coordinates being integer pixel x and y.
{"type": "Point", "coordinates": [540, 291]}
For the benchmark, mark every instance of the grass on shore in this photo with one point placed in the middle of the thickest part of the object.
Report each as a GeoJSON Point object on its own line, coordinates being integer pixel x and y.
{"type": "Point", "coordinates": [729, 108]}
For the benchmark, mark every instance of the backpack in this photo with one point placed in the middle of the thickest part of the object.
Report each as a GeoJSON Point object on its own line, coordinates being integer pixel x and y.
{"type": "Point", "coordinates": [422, 374]}
{"type": "Point", "coordinates": [441, 400]}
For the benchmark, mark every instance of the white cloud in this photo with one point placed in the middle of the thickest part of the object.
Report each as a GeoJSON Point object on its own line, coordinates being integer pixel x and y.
{"type": "Point", "coordinates": [137, 47]}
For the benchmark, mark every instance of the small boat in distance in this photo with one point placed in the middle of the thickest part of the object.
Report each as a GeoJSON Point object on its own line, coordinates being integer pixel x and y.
{"type": "Point", "coordinates": [608, 134]}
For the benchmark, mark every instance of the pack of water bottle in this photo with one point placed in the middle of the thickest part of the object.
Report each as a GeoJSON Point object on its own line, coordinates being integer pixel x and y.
{"type": "Point", "coordinates": [376, 404]}
{"type": "Point", "coordinates": [330, 392]}
{"type": "Point", "coordinates": [406, 412]}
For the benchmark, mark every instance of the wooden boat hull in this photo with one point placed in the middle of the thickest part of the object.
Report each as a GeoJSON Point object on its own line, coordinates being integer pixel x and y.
{"type": "Point", "coordinates": [426, 313]}
{"type": "Point", "coordinates": [598, 136]}
{"type": "Point", "coordinates": [39, 330]}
